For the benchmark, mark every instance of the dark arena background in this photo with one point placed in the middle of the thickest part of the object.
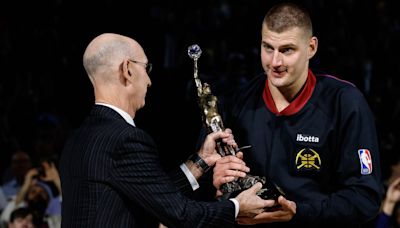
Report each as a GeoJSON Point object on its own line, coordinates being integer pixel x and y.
{"type": "Point", "coordinates": [45, 93]}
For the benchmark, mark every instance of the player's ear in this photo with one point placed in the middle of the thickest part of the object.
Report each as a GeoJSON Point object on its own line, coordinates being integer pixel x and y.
{"type": "Point", "coordinates": [313, 47]}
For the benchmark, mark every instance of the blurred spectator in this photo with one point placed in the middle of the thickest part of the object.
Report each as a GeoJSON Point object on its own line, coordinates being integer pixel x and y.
{"type": "Point", "coordinates": [390, 212]}
{"type": "Point", "coordinates": [21, 218]}
{"type": "Point", "coordinates": [37, 195]}
{"type": "Point", "coordinates": [20, 164]}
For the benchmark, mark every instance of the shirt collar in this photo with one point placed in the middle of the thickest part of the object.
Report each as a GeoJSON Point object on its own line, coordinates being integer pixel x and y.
{"type": "Point", "coordinates": [298, 103]}
{"type": "Point", "coordinates": [124, 114]}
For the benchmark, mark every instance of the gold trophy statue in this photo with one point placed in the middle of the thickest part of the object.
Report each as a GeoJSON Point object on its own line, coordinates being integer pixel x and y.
{"type": "Point", "coordinates": [213, 121]}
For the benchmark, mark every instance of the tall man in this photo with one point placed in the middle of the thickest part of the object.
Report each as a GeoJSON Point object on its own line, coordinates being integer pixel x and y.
{"type": "Point", "coordinates": [312, 134]}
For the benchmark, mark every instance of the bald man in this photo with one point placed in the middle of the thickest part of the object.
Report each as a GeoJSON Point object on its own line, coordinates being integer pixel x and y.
{"type": "Point", "coordinates": [110, 170]}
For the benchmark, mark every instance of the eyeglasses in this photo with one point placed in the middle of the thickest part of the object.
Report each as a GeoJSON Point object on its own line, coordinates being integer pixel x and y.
{"type": "Point", "coordinates": [147, 66]}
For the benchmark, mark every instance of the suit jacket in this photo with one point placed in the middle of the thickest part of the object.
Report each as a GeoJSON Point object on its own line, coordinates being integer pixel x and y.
{"type": "Point", "coordinates": [111, 176]}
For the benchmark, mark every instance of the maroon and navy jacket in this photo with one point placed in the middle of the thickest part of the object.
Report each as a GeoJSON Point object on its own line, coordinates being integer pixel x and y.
{"type": "Point", "coordinates": [322, 150]}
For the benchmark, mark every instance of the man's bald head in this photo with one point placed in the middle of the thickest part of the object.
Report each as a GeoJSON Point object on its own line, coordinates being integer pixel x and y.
{"type": "Point", "coordinates": [105, 53]}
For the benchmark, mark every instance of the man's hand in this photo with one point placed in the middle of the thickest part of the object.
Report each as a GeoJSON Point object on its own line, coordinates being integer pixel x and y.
{"type": "Point", "coordinates": [250, 204]}
{"type": "Point", "coordinates": [228, 169]}
{"type": "Point", "coordinates": [392, 197]}
{"type": "Point", "coordinates": [51, 174]}
{"type": "Point", "coordinates": [284, 213]}
{"type": "Point", "coordinates": [208, 150]}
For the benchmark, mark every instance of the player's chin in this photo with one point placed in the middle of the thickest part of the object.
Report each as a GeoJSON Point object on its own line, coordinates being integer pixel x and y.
{"type": "Point", "coordinates": [278, 82]}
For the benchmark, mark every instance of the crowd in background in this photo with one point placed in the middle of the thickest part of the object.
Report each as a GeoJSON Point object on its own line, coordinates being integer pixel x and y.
{"type": "Point", "coordinates": [44, 92]}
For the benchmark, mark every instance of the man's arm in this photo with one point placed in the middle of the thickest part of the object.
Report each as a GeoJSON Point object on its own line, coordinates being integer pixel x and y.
{"type": "Point", "coordinates": [138, 175]}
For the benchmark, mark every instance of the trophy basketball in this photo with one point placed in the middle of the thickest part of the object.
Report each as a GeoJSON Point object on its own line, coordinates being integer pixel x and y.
{"type": "Point", "coordinates": [213, 121]}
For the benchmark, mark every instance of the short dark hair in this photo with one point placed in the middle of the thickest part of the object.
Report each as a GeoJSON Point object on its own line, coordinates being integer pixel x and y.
{"type": "Point", "coordinates": [21, 212]}
{"type": "Point", "coordinates": [288, 15]}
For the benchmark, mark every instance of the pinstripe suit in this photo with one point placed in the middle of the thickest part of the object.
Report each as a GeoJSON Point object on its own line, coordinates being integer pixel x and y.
{"type": "Point", "coordinates": [111, 177]}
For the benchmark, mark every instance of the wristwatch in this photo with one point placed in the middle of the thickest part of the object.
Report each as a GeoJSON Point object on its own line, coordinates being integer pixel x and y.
{"type": "Point", "coordinates": [199, 162]}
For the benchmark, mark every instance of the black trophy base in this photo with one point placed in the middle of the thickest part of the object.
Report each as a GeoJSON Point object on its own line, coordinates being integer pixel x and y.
{"type": "Point", "coordinates": [269, 189]}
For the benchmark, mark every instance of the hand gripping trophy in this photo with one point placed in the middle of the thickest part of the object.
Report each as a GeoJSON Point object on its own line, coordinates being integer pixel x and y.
{"type": "Point", "coordinates": [213, 122]}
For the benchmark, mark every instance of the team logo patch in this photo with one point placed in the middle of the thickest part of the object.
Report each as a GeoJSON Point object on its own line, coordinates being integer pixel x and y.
{"type": "Point", "coordinates": [365, 161]}
{"type": "Point", "coordinates": [308, 159]}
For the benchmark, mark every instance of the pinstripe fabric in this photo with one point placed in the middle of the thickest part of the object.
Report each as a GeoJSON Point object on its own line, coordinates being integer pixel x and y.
{"type": "Point", "coordinates": [111, 177]}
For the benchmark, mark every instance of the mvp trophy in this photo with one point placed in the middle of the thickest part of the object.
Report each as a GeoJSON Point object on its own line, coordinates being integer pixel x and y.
{"type": "Point", "coordinates": [213, 122]}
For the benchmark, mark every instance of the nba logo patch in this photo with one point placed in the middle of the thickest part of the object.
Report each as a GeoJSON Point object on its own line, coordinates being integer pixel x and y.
{"type": "Point", "coordinates": [365, 161]}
